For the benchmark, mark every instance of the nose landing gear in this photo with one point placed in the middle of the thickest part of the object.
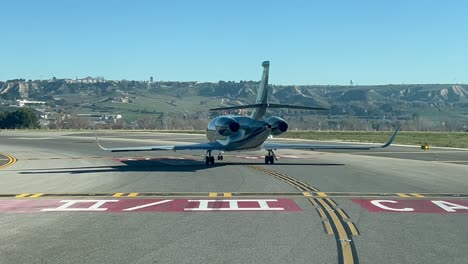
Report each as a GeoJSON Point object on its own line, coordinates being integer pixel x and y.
{"type": "Point", "coordinates": [271, 157]}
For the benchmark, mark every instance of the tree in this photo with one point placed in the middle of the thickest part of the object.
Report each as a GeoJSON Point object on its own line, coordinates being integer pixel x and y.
{"type": "Point", "coordinates": [21, 118]}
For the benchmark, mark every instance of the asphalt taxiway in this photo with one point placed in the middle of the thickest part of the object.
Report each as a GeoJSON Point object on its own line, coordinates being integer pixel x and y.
{"type": "Point", "coordinates": [64, 200]}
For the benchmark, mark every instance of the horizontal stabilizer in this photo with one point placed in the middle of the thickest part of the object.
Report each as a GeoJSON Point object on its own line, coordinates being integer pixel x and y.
{"type": "Point", "coordinates": [296, 107]}
{"type": "Point", "coordinates": [269, 106]}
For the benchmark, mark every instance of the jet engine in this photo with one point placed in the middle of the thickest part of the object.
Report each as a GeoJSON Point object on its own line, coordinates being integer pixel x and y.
{"type": "Point", "coordinates": [226, 126]}
{"type": "Point", "coordinates": [277, 124]}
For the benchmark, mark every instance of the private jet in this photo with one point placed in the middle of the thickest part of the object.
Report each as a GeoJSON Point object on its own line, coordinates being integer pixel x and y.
{"type": "Point", "coordinates": [248, 133]}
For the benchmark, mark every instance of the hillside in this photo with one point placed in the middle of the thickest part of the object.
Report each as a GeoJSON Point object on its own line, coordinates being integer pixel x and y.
{"type": "Point", "coordinates": [432, 104]}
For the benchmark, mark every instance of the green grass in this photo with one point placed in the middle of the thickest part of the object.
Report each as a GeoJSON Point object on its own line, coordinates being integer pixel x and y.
{"type": "Point", "coordinates": [143, 106]}
{"type": "Point", "coordinates": [439, 139]}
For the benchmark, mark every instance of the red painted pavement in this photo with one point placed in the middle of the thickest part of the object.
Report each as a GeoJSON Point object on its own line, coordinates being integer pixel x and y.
{"type": "Point", "coordinates": [148, 205]}
{"type": "Point", "coordinates": [440, 206]}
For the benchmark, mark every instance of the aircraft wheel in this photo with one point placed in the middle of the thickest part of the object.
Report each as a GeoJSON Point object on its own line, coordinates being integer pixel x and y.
{"type": "Point", "coordinates": [207, 160]}
{"type": "Point", "coordinates": [212, 160]}
{"type": "Point", "coordinates": [272, 160]}
{"type": "Point", "coordinates": [267, 160]}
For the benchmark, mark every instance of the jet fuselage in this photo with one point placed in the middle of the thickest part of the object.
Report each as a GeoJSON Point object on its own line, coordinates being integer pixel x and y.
{"type": "Point", "coordinates": [238, 132]}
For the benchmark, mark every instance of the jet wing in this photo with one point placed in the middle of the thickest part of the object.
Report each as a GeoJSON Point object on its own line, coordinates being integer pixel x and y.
{"type": "Point", "coordinates": [197, 146]}
{"type": "Point", "coordinates": [268, 145]}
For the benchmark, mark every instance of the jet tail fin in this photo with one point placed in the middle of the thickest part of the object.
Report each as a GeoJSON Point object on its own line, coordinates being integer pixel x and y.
{"type": "Point", "coordinates": [261, 104]}
{"type": "Point", "coordinates": [262, 92]}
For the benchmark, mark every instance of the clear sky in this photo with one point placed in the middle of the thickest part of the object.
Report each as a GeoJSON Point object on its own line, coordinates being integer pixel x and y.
{"type": "Point", "coordinates": [307, 42]}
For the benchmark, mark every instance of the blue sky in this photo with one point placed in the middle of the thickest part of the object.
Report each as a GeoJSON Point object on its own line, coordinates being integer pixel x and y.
{"type": "Point", "coordinates": [307, 42]}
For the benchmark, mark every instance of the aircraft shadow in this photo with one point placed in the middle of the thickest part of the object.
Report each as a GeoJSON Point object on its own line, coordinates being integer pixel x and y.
{"type": "Point", "coordinates": [166, 165]}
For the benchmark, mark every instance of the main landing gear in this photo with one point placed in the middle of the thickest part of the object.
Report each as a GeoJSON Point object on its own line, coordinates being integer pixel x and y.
{"type": "Point", "coordinates": [270, 158]}
{"type": "Point", "coordinates": [209, 160]}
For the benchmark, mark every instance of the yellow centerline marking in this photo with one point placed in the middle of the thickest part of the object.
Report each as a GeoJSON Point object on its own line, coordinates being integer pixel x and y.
{"type": "Point", "coordinates": [417, 195]}
{"type": "Point", "coordinates": [347, 253]}
{"type": "Point", "coordinates": [325, 205]}
{"type": "Point", "coordinates": [343, 215]}
{"type": "Point", "coordinates": [133, 195]}
{"type": "Point", "coordinates": [402, 195]}
{"type": "Point", "coordinates": [299, 185]}
{"type": "Point", "coordinates": [345, 242]}
{"type": "Point", "coordinates": [22, 195]}
{"type": "Point", "coordinates": [353, 228]}
{"type": "Point", "coordinates": [321, 213]}
{"type": "Point", "coordinates": [11, 160]}
{"type": "Point", "coordinates": [299, 188]}
{"type": "Point", "coordinates": [118, 195]}
{"type": "Point", "coordinates": [342, 235]}
{"type": "Point", "coordinates": [212, 194]}
{"type": "Point", "coordinates": [328, 227]}
{"type": "Point", "coordinates": [331, 201]}
{"type": "Point", "coordinates": [345, 245]}
{"type": "Point", "coordinates": [227, 195]}
{"type": "Point", "coordinates": [313, 202]}
{"type": "Point", "coordinates": [36, 195]}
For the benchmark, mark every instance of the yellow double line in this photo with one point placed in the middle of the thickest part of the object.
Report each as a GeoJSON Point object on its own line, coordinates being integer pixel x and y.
{"type": "Point", "coordinates": [337, 223]}
{"type": "Point", "coordinates": [299, 185]}
{"type": "Point", "coordinates": [11, 160]}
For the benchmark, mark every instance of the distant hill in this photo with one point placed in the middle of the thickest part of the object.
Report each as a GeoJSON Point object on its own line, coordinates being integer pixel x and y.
{"type": "Point", "coordinates": [136, 98]}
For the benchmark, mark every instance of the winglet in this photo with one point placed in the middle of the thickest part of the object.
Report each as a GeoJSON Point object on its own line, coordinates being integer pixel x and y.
{"type": "Point", "coordinates": [390, 141]}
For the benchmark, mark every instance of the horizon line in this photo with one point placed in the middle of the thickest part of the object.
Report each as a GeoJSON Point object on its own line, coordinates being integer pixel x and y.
{"type": "Point", "coordinates": [238, 81]}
